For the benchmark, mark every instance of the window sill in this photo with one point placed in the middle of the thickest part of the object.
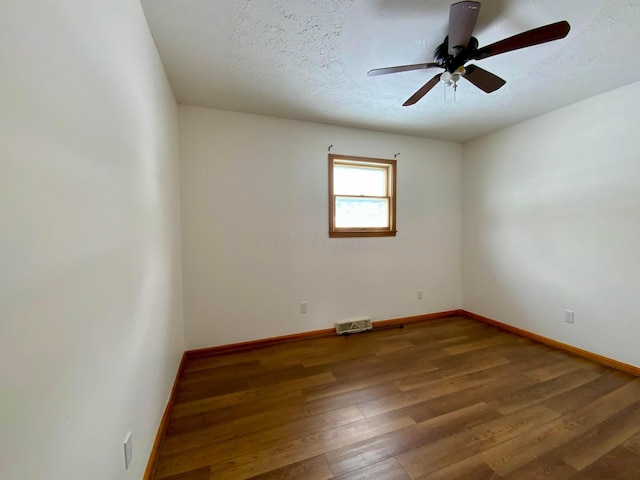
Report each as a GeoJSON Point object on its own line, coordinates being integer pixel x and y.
{"type": "Point", "coordinates": [361, 234]}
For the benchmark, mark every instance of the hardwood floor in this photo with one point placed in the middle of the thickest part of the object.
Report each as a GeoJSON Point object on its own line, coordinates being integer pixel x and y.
{"type": "Point", "coordinates": [442, 400]}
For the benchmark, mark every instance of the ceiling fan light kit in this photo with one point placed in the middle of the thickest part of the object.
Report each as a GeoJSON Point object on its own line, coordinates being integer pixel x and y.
{"type": "Point", "coordinates": [460, 47]}
{"type": "Point", "coordinates": [451, 78]}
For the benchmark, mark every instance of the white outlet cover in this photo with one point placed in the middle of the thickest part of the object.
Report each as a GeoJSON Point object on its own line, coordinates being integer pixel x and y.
{"type": "Point", "coordinates": [128, 451]}
{"type": "Point", "coordinates": [568, 316]}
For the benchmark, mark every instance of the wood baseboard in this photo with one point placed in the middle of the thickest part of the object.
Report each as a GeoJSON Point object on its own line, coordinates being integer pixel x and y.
{"type": "Point", "coordinates": [164, 421]}
{"type": "Point", "coordinates": [205, 352]}
{"type": "Point", "coordinates": [417, 319]}
{"type": "Point", "coordinates": [594, 357]}
{"type": "Point", "coordinates": [263, 342]}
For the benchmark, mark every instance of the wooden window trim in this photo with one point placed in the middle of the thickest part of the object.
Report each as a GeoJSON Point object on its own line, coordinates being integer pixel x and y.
{"type": "Point", "coordinates": [389, 231]}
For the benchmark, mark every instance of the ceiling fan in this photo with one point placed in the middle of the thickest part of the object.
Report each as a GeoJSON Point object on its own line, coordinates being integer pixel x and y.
{"type": "Point", "coordinates": [460, 47]}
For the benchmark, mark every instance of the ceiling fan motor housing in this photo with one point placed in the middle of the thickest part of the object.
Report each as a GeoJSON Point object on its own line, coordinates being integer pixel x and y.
{"type": "Point", "coordinates": [452, 62]}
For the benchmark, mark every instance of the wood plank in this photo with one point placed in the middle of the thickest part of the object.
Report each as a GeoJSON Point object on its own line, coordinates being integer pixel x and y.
{"type": "Point", "coordinates": [587, 393]}
{"type": "Point", "coordinates": [619, 464]}
{"type": "Point", "coordinates": [488, 391]}
{"type": "Point", "coordinates": [251, 395]}
{"type": "Point", "coordinates": [459, 370]}
{"type": "Point", "coordinates": [521, 450]}
{"type": "Point", "coordinates": [633, 444]}
{"type": "Point", "coordinates": [210, 389]}
{"type": "Point", "coordinates": [191, 378]}
{"type": "Point", "coordinates": [463, 444]}
{"type": "Point", "coordinates": [492, 341]}
{"type": "Point", "coordinates": [195, 455]}
{"type": "Point", "coordinates": [219, 416]}
{"type": "Point", "coordinates": [533, 394]}
{"type": "Point", "coordinates": [557, 369]}
{"type": "Point", "coordinates": [588, 447]}
{"type": "Point", "coordinates": [348, 385]}
{"type": "Point", "coordinates": [508, 377]}
{"type": "Point", "coordinates": [280, 455]}
{"type": "Point", "coordinates": [388, 469]}
{"type": "Point", "coordinates": [547, 467]}
{"type": "Point", "coordinates": [422, 394]}
{"type": "Point", "coordinates": [203, 363]}
{"type": "Point", "coordinates": [471, 468]}
{"type": "Point", "coordinates": [351, 398]}
{"type": "Point", "coordinates": [203, 473]}
{"type": "Point", "coordinates": [191, 437]}
{"type": "Point", "coordinates": [380, 448]}
{"type": "Point", "coordinates": [315, 468]}
{"type": "Point", "coordinates": [392, 347]}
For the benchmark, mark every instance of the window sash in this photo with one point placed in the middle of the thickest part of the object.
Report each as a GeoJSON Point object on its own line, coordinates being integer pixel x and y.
{"type": "Point", "coordinates": [376, 186]}
{"type": "Point", "coordinates": [363, 216]}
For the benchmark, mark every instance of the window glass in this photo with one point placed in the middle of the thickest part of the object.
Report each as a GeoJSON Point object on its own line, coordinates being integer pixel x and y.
{"type": "Point", "coordinates": [362, 212]}
{"type": "Point", "coordinates": [349, 180]}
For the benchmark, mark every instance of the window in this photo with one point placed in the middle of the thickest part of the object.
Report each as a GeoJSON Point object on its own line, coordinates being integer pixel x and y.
{"type": "Point", "coordinates": [362, 197]}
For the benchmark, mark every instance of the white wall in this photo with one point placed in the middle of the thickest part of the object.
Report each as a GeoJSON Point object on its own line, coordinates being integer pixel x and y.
{"type": "Point", "coordinates": [254, 229]}
{"type": "Point", "coordinates": [552, 222]}
{"type": "Point", "coordinates": [90, 295]}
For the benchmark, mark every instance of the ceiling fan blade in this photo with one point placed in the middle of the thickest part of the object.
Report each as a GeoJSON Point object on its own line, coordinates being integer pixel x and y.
{"type": "Point", "coordinates": [401, 68]}
{"type": "Point", "coordinates": [484, 80]}
{"type": "Point", "coordinates": [548, 33]}
{"type": "Point", "coordinates": [423, 91]}
{"type": "Point", "coordinates": [462, 20]}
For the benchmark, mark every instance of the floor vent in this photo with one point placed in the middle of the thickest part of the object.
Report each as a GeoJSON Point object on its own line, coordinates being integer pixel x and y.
{"type": "Point", "coordinates": [354, 325]}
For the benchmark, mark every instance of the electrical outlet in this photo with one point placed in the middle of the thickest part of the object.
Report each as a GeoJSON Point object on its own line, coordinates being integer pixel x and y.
{"type": "Point", "coordinates": [568, 316]}
{"type": "Point", "coordinates": [303, 307]}
{"type": "Point", "coordinates": [128, 451]}
{"type": "Point", "coordinates": [419, 294]}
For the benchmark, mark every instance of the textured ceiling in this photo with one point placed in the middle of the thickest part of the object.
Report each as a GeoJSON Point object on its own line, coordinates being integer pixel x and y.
{"type": "Point", "coordinates": [307, 59]}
